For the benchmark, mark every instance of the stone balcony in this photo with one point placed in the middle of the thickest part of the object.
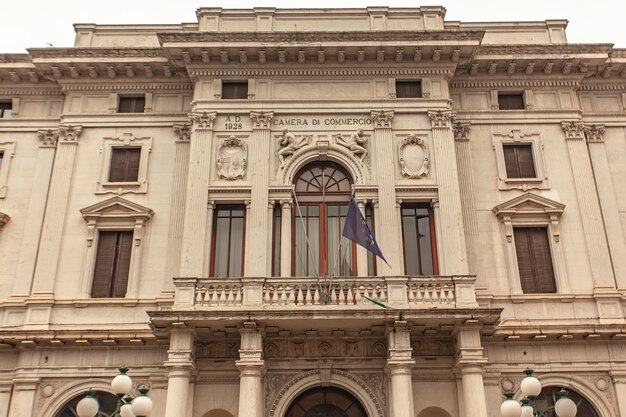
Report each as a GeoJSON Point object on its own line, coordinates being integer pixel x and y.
{"type": "Point", "coordinates": [310, 294]}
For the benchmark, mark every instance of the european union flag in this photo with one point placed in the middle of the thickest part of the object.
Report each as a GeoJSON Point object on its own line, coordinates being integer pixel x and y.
{"type": "Point", "coordinates": [357, 230]}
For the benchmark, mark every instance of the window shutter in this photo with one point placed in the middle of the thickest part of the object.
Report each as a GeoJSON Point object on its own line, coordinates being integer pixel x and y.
{"type": "Point", "coordinates": [408, 89]}
{"type": "Point", "coordinates": [124, 164]}
{"type": "Point", "coordinates": [525, 161]}
{"type": "Point", "coordinates": [120, 277]}
{"type": "Point", "coordinates": [510, 161]}
{"type": "Point", "coordinates": [534, 260]}
{"type": "Point", "coordinates": [132, 165]}
{"type": "Point", "coordinates": [105, 260]}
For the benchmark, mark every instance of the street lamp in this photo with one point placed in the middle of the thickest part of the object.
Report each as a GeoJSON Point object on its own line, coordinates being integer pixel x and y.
{"type": "Point", "coordinates": [531, 388]}
{"type": "Point", "coordinates": [121, 385]}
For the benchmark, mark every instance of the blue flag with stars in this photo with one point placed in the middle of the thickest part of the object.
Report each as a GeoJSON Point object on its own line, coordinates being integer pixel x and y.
{"type": "Point", "coordinates": [356, 229]}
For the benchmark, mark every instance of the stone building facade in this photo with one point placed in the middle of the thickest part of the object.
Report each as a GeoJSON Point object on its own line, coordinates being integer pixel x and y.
{"type": "Point", "coordinates": [171, 199]}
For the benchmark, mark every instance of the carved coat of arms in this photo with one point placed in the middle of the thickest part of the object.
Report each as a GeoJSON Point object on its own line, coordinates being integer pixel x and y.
{"type": "Point", "coordinates": [414, 158]}
{"type": "Point", "coordinates": [232, 158]}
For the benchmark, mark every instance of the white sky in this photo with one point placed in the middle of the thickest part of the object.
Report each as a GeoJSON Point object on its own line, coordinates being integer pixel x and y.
{"type": "Point", "coordinates": [35, 23]}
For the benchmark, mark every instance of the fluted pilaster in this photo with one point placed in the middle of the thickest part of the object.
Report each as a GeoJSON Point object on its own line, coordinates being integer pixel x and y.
{"type": "Point", "coordinates": [200, 158]}
{"type": "Point", "coordinates": [383, 157]}
{"type": "Point", "coordinates": [452, 251]}
{"type": "Point", "coordinates": [285, 238]}
{"type": "Point", "coordinates": [589, 206]}
{"type": "Point", "coordinates": [258, 259]}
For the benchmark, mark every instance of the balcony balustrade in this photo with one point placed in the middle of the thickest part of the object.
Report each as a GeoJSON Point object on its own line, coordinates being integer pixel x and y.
{"type": "Point", "coordinates": [314, 293]}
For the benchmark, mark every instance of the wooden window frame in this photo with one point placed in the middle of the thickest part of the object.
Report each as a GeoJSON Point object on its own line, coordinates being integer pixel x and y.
{"type": "Point", "coordinates": [518, 169]}
{"type": "Point", "coordinates": [239, 85]}
{"type": "Point", "coordinates": [216, 210]}
{"type": "Point", "coordinates": [128, 169]}
{"type": "Point", "coordinates": [519, 137]}
{"type": "Point", "coordinates": [8, 152]}
{"type": "Point", "coordinates": [116, 281]}
{"type": "Point", "coordinates": [433, 235]}
{"type": "Point", "coordinates": [277, 225]}
{"type": "Point", "coordinates": [538, 281]}
{"type": "Point", "coordinates": [134, 100]}
{"type": "Point", "coordinates": [126, 140]}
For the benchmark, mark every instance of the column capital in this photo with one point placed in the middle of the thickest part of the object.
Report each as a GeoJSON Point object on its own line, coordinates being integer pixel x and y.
{"type": "Point", "coordinates": [573, 129]}
{"type": "Point", "coordinates": [594, 133]}
{"type": "Point", "coordinates": [286, 204]}
{"type": "Point", "coordinates": [69, 133]}
{"type": "Point", "coordinates": [441, 119]}
{"type": "Point", "coordinates": [461, 130]}
{"type": "Point", "coordinates": [48, 137]}
{"type": "Point", "coordinates": [382, 118]}
{"type": "Point", "coordinates": [261, 119]}
{"type": "Point", "coordinates": [202, 120]}
{"type": "Point", "coordinates": [183, 131]}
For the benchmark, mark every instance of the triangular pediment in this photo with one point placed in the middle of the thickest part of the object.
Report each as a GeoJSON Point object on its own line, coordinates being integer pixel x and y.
{"type": "Point", "coordinates": [116, 207]}
{"type": "Point", "coordinates": [529, 203]}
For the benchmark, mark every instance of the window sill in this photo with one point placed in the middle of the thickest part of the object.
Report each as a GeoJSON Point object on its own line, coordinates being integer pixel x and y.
{"type": "Point", "coordinates": [119, 188]}
{"type": "Point", "coordinates": [523, 184]}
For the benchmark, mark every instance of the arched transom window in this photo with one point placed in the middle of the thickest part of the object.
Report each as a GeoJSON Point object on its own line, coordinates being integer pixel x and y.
{"type": "Point", "coordinates": [325, 402]}
{"type": "Point", "coordinates": [549, 397]}
{"type": "Point", "coordinates": [106, 400]}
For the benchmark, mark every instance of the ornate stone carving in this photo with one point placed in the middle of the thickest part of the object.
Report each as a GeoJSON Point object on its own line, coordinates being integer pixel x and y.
{"type": "Point", "coordinates": [594, 133]}
{"type": "Point", "coordinates": [69, 134]}
{"type": "Point", "coordinates": [461, 130]}
{"type": "Point", "coordinates": [202, 120]}
{"type": "Point", "coordinates": [441, 118]}
{"type": "Point", "coordinates": [433, 347]}
{"type": "Point", "coordinates": [289, 145]}
{"type": "Point", "coordinates": [183, 131]}
{"type": "Point", "coordinates": [573, 129]}
{"type": "Point", "coordinates": [4, 219]}
{"type": "Point", "coordinates": [232, 159]}
{"type": "Point", "coordinates": [377, 382]}
{"type": "Point", "coordinates": [356, 143]}
{"type": "Point", "coordinates": [261, 120]}
{"type": "Point", "coordinates": [48, 137]}
{"type": "Point", "coordinates": [413, 156]}
{"type": "Point", "coordinates": [227, 349]}
{"type": "Point", "coordinates": [382, 118]}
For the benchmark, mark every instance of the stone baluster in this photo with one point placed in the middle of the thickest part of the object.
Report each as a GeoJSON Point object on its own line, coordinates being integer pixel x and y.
{"type": "Point", "coordinates": [285, 238]}
{"type": "Point", "coordinates": [399, 369]}
{"type": "Point", "coordinates": [384, 160]}
{"type": "Point", "coordinates": [251, 367]}
{"type": "Point", "coordinates": [451, 246]}
{"type": "Point", "coordinates": [56, 211]}
{"type": "Point", "coordinates": [257, 228]}
{"type": "Point", "coordinates": [200, 157]}
{"type": "Point", "coordinates": [471, 362]}
{"type": "Point", "coordinates": [180, 363]}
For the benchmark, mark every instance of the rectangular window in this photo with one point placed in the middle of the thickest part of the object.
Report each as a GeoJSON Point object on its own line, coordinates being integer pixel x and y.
{"type": "Point", "coordinates": [131, 104]}
{"type": "Point", "coordinates": [534, 260]}
{"type": "Point", "coordinates": [276, 231]}
{"type": "Point", "coordinates": [232, 90]}
{"type": "Point", "coordinates": [5, 109]}
{"type": "Point", "coordinates": [511, 101]}
{"type": "Point", "coordinates": [1, 158]}
{"type": "Point", "coordinates": [418, 237]}
{"type": "Point", "coordinates": [228, 241]}
{"type": "Point", "coordinates": [110, 277]}
{"type": "Point", "coordinates": [124, 164]}
{"type": "Point", "coordinates": [408, 89]}
{"type": "Point", "coordinates": [371, 258]}
{"type": "Point", "coordinates": [518, 160]}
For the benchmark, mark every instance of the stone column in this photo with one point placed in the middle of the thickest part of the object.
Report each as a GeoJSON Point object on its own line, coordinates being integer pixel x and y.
{"type": "Point", "coordinates": [399, 369]}
{"type": "Point", "coordinates": [56, 211]}
{"type": "Point", "coordinates": [466, 186]}
{"type": "Point", "coordinates": [361, 252]}
{"type": "Point", "coordinates": [285, 238]}
{"type": "Point", "coordinates": [200, 157]}
{"type": "Point", "coordinates": [257, 228]}
{"type": "Point", "coordinates": [384, 161]}
{"type": "Point", "coordinates": [451, 246]}
{"type": "Point", "coordinates": [619, 382]}
{"type": "Point", "coordinates": [589, 207]}
{"type": "Point", "coordinates": [180, 362]}
{"type": "Point", "coordinates": [5, 397]}
{"type": "Point", "coordinates": [608, 202]}
{"type": "Point", "coordinates": [23, 397]}
{"type": "Point", "coordinates": [35, 213]}
{"type": "Point", "coordinates": [251, 367]}
{"type": "Point", "coordinates": [181, 171]}
{"type": "Point", "coordinates": [471, 362]}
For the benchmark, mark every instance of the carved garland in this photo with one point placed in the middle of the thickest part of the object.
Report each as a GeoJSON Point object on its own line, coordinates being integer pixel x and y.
{"type": "Point", "coordinates": [409, 155]}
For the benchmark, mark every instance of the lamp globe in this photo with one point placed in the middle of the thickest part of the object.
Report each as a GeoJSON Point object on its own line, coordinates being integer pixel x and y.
{"type": "Point", "coordinates": [142, 404]}
{"type": "Point", "coordinates": [510, 407]}
{"type": "Point", "coordinates": [530, 386]}
{"type": "Point", "coordinates": [121, 384]}
{"type": "Point", "coordinates": [564, 406]}
{"type": "Point", "coordinates": [88, 406]}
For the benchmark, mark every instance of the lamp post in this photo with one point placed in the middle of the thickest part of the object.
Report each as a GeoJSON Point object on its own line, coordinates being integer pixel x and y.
{"type": "Point", "coordinates": [531, 388]}
{"type": "Point", "coordinates": [121, 385]}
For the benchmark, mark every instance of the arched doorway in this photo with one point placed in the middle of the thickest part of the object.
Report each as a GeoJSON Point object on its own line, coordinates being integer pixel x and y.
{"type": "Point", "coordinates": [323, 192]}
{"type": "Point", "coordinates": [106, 400]}
{"type": "Point", "coordinates": [325, 402]}
{"type": "Point", "coordinates": [549, 396]}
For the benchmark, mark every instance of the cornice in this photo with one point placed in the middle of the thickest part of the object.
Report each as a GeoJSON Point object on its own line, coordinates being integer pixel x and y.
{"type": "Point", "coordinates": [603, 87]}
{"type": "Point", "coordinates": [47, 91]}
{"type": "Point", "coordinates": [513, 83]}
{"type": "Point", "coordinates": [307, 72]}
{"type": "Point", "coordinates": [566, 49]}
{"type": "Point", "coordinates": [318, 36]}
{"type": "Point", "coordinates": [127, 86]}
{"type": "Point", "coordinates": [37, 53]}
{"type": "Point", "coordinates": [14, 58]}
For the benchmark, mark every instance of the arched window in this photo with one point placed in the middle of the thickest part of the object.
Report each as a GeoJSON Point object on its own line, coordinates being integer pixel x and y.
{"type": "Point", "coordinates": [325, 402]}
{"type": "Point", "coordinates": [549, 396]}
{"type": "Point", "coordinates": [323, 193]}
{"type": "Point", "coordinates": [107, 401]}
